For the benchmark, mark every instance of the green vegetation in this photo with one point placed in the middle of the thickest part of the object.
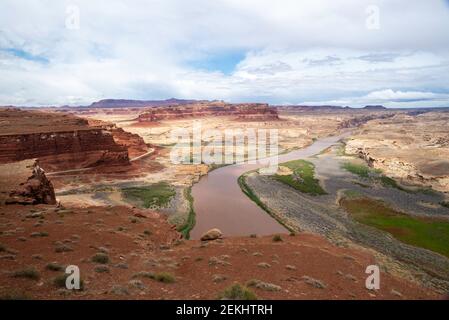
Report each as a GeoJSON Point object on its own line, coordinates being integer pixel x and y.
{"type": "Point", "coordinates": [341, 151]}
{"type": "Point", "coordinates": [352, 194]}
{"type": "Point", "coordinates": [277, 238]}
{"type": "Point", "coordinates": [100, 258]}
{"type": "Point", "coordinates": [445, 204]}
{"type": "Point", "coordinates": [302, 178]}
{"type": "Point", "coordinates": [164, 277]}
{"type": "Point", "coordinates": [375, 175]}
{"type": "Point", "coordinates": [432, 234]}
{"type": "Point", "coordinates": [190, 222]}
{"type": "Point", "coordinates": [250, 194]}
{"type": "Point", "coordinates": [361, 170]}
{"type": "Point", "coordinates": [53, 266]}
{"type": "Point", "coordinates": [29, 273]}
{"type": "Point", "coordinates": [238, 292]}
{"type": "Point", "coordinates": [155, 195]}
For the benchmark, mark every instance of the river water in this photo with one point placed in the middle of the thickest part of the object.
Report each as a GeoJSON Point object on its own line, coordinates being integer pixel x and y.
{"type": "Point", "coordinates": [220, 203]}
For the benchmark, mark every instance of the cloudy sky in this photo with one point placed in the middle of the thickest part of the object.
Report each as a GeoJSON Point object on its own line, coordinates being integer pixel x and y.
{"type": "Point", "coordinates": [345, 52]}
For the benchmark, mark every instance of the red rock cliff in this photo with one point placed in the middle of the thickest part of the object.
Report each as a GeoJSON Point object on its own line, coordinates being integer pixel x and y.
{"type": "Point", "coordinates": [59, 141]}
{"type": "Point", "coordinates": [248, 111]}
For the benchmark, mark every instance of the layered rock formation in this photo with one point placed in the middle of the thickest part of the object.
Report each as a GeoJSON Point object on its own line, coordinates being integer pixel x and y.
{"type": "Point", "coordinates": [59, 141]}
{"type": "Point", "coordinates": [133, 142]}
{"type": "Point", "coordinates": [414, 149]}
{"type": "Point", "coordinates": [245, 112]}
{"type": "Point", "coordinates": [24, 182]}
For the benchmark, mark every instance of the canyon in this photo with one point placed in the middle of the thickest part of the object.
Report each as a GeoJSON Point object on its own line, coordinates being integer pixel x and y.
{"type": "Point", "coordinates": [64, 141]}
{"type": "Point", "coordinates": [104, 173]}
{"type": "Point", "coordinates": [411, 148]}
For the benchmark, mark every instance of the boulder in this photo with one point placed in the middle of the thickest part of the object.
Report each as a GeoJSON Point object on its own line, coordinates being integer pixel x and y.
{"type": "Point", "coordinates": [212, 234]}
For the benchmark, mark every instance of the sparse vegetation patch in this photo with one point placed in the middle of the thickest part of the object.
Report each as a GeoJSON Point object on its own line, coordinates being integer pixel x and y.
{"type": "Point", "coordinates": [237, 292]}
{"type": "Point", "coordinates": [432, 234]}
{"type": "Point", "coordinates": [302, 178]}
{"type": "Point", "coordinates": [152, 196]}
{"type": "Point", "coordinates": [28, 273]}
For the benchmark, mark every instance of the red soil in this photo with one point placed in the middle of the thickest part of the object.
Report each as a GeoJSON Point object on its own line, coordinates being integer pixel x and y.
{"type": "Point", "coordinates": [120, 233]}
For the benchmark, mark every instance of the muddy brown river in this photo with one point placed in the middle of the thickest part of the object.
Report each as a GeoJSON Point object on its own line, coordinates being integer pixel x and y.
{"type": "Point", "coordinates": [220, 203]}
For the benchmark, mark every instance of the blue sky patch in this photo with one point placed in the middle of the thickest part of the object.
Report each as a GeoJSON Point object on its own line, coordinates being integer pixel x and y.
{"type": "Point", "coordinates": [225, 62]}
{"type": "Point", "coordinates": [25, 55]}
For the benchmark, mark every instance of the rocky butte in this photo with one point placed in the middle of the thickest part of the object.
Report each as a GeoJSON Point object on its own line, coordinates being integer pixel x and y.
{"type": "Point", "coordinates": [243, 111]}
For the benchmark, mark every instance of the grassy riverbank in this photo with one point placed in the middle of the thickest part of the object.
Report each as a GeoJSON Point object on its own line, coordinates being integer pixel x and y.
{"type": "Point", "coordinates": [152, 196]}
{"type": "Point", "coordinates": [190, 222]}
{"type": "Point", "coordinates": [428, 233]}
{"type": "Point", "coordinates": [250, 194]}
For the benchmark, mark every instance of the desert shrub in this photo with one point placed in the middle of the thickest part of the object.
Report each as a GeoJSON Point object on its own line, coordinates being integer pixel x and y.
{"type": "Point", "coordinates": [100, 258]}
{"type": "Point", "coordinates": [53, 266]}
{"type": "Point", "coordinates": [314, 282]}
{"type": "Point", "coordinates": [101, 269]}
{"type": "Point", "coordinates": [29, 273]}
{"type": "Point", "coordinates": [263, 285]}
{"type": "Point", "coordinates": [143, 274]}
{"type": "Point", "coordinates": [39, 234]}
{"type": "Point", "coordinates": [277, 238]}
{"type": "Point", "coordinates": [164, 277]}
{"type": "Point", "coordinates": [237, 292]}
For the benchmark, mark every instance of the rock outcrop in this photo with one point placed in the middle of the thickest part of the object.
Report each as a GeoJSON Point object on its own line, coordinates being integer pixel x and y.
{"type": "Point", "coordinates": [59, 141]}
{"type": "Point", "coordinates": [24, 182]}
{"type": "Point", "coordinates": [212, 234]}
{"type": "Point", "coordinates": [244, 112]}
{"type": "Point", "coordinates": [413, 149]}
{"type": "Point", "coordinates": [133, 142]}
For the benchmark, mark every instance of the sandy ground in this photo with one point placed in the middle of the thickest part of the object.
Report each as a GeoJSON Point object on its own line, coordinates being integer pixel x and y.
{"type": "Point", "coordinates": [201, 270]}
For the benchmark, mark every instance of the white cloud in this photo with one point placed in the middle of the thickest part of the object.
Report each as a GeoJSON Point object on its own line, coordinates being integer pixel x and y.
{"type": "Point", "coordinates": [392, 99]}
{"type": "Point", "coordinates": [294, 51]}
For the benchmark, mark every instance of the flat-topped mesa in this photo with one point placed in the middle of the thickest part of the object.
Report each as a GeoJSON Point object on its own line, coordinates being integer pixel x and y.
{"type": "Point", "coordinates": [61, 142]}
{"type": "Point", "coordinates": [243, 111]}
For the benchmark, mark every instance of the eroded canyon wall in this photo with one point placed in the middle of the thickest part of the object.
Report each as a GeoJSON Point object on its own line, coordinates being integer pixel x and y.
{"type": "Point", "coordinates": [244, 112]}
{"type": "Point", "coordinates": [60, 142]}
